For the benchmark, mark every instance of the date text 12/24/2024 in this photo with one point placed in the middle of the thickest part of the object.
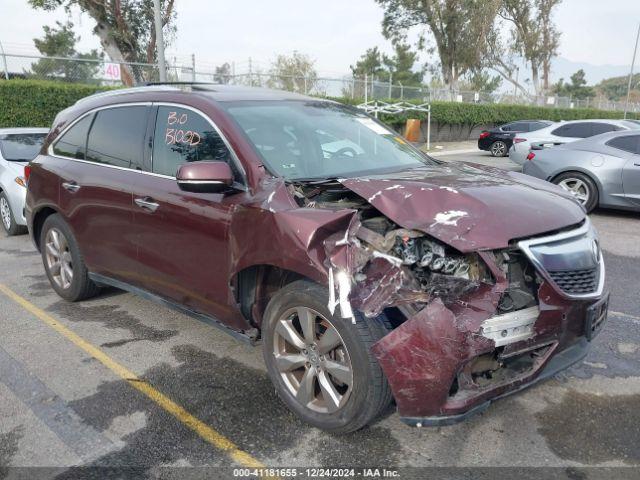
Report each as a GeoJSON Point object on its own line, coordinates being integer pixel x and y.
{"type": "Point", "coordinates": [315, 473]}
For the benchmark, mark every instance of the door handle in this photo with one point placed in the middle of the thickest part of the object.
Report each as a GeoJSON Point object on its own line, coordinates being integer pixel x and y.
{"type": "Point", "coordinates": [147, 203]}
{"type": "Point", "coordinates": [72, 187]}
{"type": "Point", "coordinates": [637, 164]}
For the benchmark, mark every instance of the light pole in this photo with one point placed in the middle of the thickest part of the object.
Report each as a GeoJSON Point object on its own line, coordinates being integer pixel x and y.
{"type": "Point", "coordinates": [633, 61]}
{"type": "Point", "coordinates": [159, 40]}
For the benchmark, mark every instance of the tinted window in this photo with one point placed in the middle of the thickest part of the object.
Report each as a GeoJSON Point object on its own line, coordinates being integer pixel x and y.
{"type": "Point", "coordinates": [73, 143]}
{"type": "Point", "coordinates": [533, 126]}
{"type": "Point", "coordinates": [576, 130]}
{"type": "Point", "coordinates": [520, 127]}
{"type": "Point", "coordinates": [508, 127]}
{"type": "Point", "coordinates": [628, 143]}
{"type": "Point", "coordinates": [117, 136]}
{"type": "Point", "coordinates": [21, 147]}
{"type": "Point", "coordinates": [598, 128]}
{"type": "Point", "coordinates": [183, 136]}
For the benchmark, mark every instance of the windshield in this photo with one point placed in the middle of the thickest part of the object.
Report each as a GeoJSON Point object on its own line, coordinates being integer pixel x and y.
{"type": "Point", "coordinates": [21, 147]}
{"type": "Point", "coordinates": [316, 140]}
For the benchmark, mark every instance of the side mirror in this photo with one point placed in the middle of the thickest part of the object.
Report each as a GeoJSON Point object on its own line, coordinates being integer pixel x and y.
{"type": "Point", "coordinates": [205, 177]}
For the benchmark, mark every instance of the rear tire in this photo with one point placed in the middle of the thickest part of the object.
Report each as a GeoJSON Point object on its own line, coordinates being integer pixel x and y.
{"type": "Point", "coordinates": [63, 261]}
{"type": "Point", "coordinates": [361, 386]}
{"type": "Point", "coordinates": [7, 219]}
{"type": "Point", "coordinates": [499, 149]}
{"type": "Point", "coordinates": [581, 186]}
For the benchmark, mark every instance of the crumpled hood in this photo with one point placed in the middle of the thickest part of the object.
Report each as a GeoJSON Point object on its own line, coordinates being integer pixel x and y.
{"type": "Point", "coordinates": [469, 206]}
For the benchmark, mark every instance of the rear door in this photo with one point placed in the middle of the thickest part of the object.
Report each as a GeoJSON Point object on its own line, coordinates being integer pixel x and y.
{"type": "Point", "coordinates": [182, 237]}
{"type": "Point", "coordinates": [96, 190]}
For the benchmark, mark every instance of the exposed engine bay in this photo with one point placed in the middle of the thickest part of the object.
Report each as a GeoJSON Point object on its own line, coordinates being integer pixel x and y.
{"type": "Point", "coordinates": [408, 268]}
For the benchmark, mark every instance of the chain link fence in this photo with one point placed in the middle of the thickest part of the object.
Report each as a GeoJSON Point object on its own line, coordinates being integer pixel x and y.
{"type": "Point", "coordinates": [107, 73]}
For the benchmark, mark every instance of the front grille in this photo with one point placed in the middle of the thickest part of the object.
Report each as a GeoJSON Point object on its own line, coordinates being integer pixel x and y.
{"type": "Point", "coordinates": [576, 281]}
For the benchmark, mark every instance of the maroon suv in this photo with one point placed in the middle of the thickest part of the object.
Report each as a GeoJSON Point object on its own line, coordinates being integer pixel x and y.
{"type": "Point", "coordinates": [368, 271]}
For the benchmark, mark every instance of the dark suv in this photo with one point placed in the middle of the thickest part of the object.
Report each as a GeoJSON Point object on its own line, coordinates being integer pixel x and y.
{"type": "Point", "coordinates": [499, 140]}
{"type": "Point", "coordinates": [368, 271]}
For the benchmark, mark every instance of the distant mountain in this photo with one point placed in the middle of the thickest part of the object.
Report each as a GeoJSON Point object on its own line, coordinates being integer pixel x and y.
{"type": "Point", "coordinates": [563, 68]}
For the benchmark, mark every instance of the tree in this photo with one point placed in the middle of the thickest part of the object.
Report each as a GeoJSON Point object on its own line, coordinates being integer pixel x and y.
{"type": "Point", "coordinates": [370, 64]}
{"type": "Point", "coordinates": [577, 89]}
{"type": "Point", "coordinates": [401, 66]}
{"type": "Point", "coordinates": [295, 73]}
{"type": "Point", "coordinates": [459, 28]}
{"type": "Point", "coordinates": [534, 37]}
{"type": "Point", "coordinates": [223, 73]}
{"type": "Point", "coordinates": [61, 42]}
{"type": "Point", "coordinates": [125, 29]}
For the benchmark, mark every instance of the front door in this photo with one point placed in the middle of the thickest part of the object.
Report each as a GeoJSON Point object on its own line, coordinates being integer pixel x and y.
{"type": "Point", "coordinates": [182, 237]}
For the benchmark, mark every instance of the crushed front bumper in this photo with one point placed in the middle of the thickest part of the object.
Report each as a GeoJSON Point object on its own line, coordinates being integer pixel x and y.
{"type": "Point", "coordinates": [430, 359]}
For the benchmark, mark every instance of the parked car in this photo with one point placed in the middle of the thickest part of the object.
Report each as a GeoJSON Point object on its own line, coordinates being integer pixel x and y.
{"type": "Point", "coordinates": [17, 147]}
{"type": "Point", "coordinates": [498, 141]}
{"type": "Point", "coordinates": [600, 171]}
{"type": "Point", "coordinates": [367, 274]}
{"type": "Point", "coordinates": [564, 132]}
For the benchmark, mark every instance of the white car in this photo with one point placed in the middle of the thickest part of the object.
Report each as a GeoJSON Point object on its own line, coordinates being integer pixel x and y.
{"type": "Point", "coordinates": [564, 132]}
{"type": "Point", "coordinates": [18, 146]}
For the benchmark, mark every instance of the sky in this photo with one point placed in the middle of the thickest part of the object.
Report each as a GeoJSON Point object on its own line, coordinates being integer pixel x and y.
{"type": "Point", "coordinates": [332, 32]}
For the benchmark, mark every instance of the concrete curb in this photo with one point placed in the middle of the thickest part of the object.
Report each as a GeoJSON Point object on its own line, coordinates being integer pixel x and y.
{"type": "Point", "coordinates": [437, 153]}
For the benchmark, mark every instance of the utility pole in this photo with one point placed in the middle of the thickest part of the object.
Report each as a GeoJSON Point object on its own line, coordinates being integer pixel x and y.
{"type": "Point", "coordinates": [633, 61]}
{"type": "Point", "coordinates": [4, 61]}
{"type": "Point", "coordinates": [193, 67]}
{"type": "Point", "coordinates": [159, 40]}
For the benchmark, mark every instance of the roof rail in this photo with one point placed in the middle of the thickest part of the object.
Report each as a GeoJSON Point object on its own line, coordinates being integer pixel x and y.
{"type": "Point", "coordinates": [120, 91]}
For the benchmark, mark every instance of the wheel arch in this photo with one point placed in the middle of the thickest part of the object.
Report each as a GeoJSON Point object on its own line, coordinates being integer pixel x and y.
{"type": "Point", "coordinates": [583, 171]}
{"type": "Point", "coordinates": [254, 286]}
{"type": "Point", "coordinates": [39, 217]}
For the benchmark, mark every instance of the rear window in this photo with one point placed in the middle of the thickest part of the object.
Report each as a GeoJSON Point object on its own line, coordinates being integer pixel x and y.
{"type": "Point", "coordinates": [533, 126]}
{"type": "Point", "coordinates": [21, 147]}
{"type": "Point", "coordinates": [628, 143]}
{"type": "Point", "coordinates": [574, 130]}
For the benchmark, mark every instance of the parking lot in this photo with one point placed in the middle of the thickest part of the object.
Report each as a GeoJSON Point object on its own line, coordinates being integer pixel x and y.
{"type": "Point", "coordinates": [118, 381]}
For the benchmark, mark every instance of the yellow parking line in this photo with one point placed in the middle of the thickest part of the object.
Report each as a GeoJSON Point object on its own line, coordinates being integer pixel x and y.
{"type": "Point", "coordinates": [207, 433]}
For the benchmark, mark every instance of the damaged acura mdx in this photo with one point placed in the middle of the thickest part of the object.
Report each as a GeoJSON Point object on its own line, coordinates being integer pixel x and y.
{"type": "Point", "coordinates": [368, 271]}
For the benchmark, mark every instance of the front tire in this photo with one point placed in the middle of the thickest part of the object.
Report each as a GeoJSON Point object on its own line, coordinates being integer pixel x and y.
{"type": "Point", "coordinates": [63, 262]}
{"type": "Point", "coordinates": [499, 149]}
{"type": "Point", "coordinates": [320, 364]}
{"type": "Point", "coordinates": [581, 186]}
{"type": "Point", "coordinates": [8, 221]}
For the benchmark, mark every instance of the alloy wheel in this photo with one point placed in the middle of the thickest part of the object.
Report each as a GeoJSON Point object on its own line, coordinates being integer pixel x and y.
{"type": "Point", "coordinates": [578, 188]}
{"type": "Point", "coordinates": [312, 360]}
{"type": "Point", "coordinates": [498, 149]}
{"type": "Point", "coordinates": [5, 213]}
{"type": "Point", "coordinates": [58, 258]}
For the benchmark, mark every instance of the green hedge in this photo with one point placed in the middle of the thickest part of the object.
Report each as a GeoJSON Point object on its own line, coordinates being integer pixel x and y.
{"type": "Point", "coordinates": [34, 103]}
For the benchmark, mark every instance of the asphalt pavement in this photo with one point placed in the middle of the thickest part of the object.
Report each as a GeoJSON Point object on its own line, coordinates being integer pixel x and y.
{"type": "Point", "coordinates": [120, 382]}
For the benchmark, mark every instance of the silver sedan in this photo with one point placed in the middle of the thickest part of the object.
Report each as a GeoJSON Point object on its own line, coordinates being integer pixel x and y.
{"type": "Point", "coordinates": [600, 171]}
{"type": "Point", "coordinates": [18, 146]}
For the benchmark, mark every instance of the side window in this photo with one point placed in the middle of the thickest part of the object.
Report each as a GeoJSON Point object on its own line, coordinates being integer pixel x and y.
{"type": "Point", "coordinates": [117, 136]}
{"type": "Point", "coordinates": [533, 126]}
{"type": "Point", "coordinates": [598, 128]}
{"type": "Point", "coordinates": [73, 143]}
{"type": "Point", "coordinates": [575, 130]}
{"type": "Point", "coordinates": [183, 136]}
{"type": "Point", "coordinates": [520, 127]}
{"type": "Point", "coordinates": [628, 143]}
